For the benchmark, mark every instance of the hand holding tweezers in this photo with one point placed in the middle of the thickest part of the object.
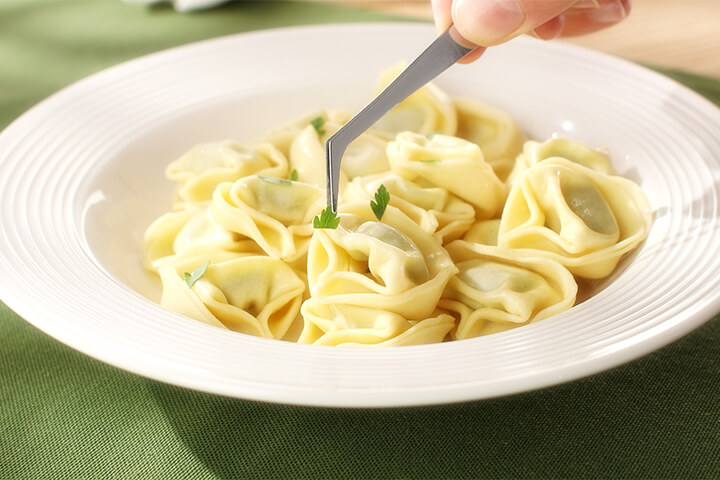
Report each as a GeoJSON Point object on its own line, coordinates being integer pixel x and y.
{"type": "Point", "coordinates": [441, 54]}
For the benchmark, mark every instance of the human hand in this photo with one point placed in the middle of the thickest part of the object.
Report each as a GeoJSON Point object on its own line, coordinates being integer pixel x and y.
{"type": "Point", "coordinates": [491, 22]}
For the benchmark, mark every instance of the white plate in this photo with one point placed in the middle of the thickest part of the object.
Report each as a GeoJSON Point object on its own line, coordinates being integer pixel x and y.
{"type": "Point", "coordinates": [81, 176]}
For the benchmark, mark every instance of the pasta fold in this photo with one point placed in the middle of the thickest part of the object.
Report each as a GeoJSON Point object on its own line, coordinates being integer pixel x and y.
{"type": "Point", "coordinates": [251, 294]}
{"type": "Point", "coordinates": [276, 213]}
{"type": "Point", "coordinates": [497, 289]}
{"type": "Point", "coordinates": [558, 147]}
{"type": "Point", "coordinates": [494, 131]}
{"type": "Point", "coordinates": [283, 136]}
{"type": "Point", "coordinates": [206, 166]}
{"type": "Point", "coordinates": [428, 110]}
{"type": "Point", "coordinates": [176, 232]}
{"type": "Point", "coordinates": [434, 209]}
{"type": "Point", "coordinates": [391, 265]}
{"type": "Point", "coordinates": [450, 163]}
{"type": "Point", "coordinates": [580, 217]}
{"type": "Point", "coordinates": [350, 325]}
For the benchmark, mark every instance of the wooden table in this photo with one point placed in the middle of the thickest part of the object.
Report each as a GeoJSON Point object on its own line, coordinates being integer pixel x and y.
{"type": "Point", "coordinates": [682, 34]}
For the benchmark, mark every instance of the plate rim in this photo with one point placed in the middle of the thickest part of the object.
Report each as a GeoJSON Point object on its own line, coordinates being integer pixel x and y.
{"type": "Point", "coordinates": [350, 398]}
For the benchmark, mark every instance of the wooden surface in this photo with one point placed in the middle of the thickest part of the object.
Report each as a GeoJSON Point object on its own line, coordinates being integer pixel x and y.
{"type": "Point", "coordinates": [682, 34]}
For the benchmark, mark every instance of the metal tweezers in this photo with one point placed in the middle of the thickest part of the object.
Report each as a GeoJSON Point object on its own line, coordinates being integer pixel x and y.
{"type": "Point", "coordinates": [440, 55]}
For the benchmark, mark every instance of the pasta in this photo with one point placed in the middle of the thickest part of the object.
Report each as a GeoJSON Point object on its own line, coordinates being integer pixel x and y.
{"type": "Point", "coordinates": [275, 214]}
{"type": "Point", "coordinates": [434, 209]}
{"type": "Point", "coordinates": [451, 225]}
{"type": "Point", "coordinates": [450, 163]}
{"type": "Point", "coordinates": [582, 218]}
{"type": "Point", "coordinates": [496, 288]}
{"type": "Point", "coordinates": [205, 166]}
{"type": "Point", "coordinates": [427, 111]}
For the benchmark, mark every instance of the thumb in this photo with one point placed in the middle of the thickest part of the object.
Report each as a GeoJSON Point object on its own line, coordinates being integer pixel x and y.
{"type": "Point", "coordinates": [491, 22]}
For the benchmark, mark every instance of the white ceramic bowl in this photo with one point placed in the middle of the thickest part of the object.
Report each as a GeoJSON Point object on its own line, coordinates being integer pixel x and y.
{"type": "Point", "coordinates": [81, 177]}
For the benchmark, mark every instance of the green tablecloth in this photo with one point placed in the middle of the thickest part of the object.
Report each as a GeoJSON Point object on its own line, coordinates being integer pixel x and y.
{"type": "Point", "coordinates": [63, 415]}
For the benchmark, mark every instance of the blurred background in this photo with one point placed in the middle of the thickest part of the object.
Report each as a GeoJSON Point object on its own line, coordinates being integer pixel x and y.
{"type": "Point", "coordinates": [679, 34]}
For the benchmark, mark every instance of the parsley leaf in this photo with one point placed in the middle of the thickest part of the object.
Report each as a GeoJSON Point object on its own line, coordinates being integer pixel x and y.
{"type": "Point", "coordinates": [294, 175]}
{"type": "Point", "coordinates": [327, 219]}
{"type": "Point", "coordinates": [276, 181]}
{"type": "Point", "coordinates": [191, 278]}
{"type": "Point", "coordinates": [382, 198]}
{"type": "Point", "coordinates": [317, 124]}
{"type": "Point", "coordinates": [432, 134]}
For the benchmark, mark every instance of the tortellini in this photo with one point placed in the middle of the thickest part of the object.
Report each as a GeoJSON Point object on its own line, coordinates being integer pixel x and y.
{"type": "Point", "coordinates": [494, 131]}
{"type": "Point", "coordinates": [283, 137]}
{"type": "Point", "coordinates": [450, 163]}
{"type": "Point", "coordinates": [582, 218]}
{"type": "Point", "coordinates": [251, 294]}
{"type": "Point", "coordinates": [350, 325]}
{"type": "Point", "coordinates": [559, 147]}
{"type": "Point", "coordinates": [428, 110]}
{"type": "Point", "coordinates": [275, 213]}
{"type": "Point", "coordinates": [497, 289]}
{"type": "Point", "coordinates": [451, 225]}
{"type": "Point", "coordinates": [376, 283]}
{"type": "Point", "coordinates": [176, 232]}
{"type": "Point", "coordinates": [391, 265]}
{"type": "Point", "coordinates": [206, 166]}
{"type": "Point", "coordinates": [434, 209]}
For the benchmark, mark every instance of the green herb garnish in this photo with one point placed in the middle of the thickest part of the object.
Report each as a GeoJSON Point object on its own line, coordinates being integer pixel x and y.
{"type": "Point", "coordinates": [432, 134]}
{"type": "Point", "coordinates": [326, 219]}
{"type": "Point", "coordinates": [294, 175]}
{"type": "Point", "coordinates": [382, 198]}
{"type": "Point", "coordinates": [191, 278]}
{"type": "Point", "coordinates": [318, 123]}
{"type": "Point", "coordinates": [276, 181]}
{"type": "Point", "coordinates": [428, 161]}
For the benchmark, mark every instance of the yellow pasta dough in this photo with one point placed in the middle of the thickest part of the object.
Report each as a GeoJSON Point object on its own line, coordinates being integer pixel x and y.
{"type": "Point", "coordinates": [275, 213]}
{"type": "Point", "coordinates": [497, 289]}
{"type": "Point", "coordinates": [205, 166]}
{"type": "Point", "coordinates": [434, 209]}
{"type": "Point", "coordinates": [391, 265]}
{"type": "Point", "coordinates": [450, 163]}
{"type": "Point", "coordinates": [349, 325]}
{"type": "Point", "coordinates": [580, 217]}
{"type": "Point", "coordinates": [473, 229]}
{"type": "Point", "coordinates": [187, 229]}
{"type": "Point", "coordinates": [535, 152]}
{"type": "Point", "coordinates": [494, 131]}
{"type": "Point", "coordinates": [250, 294]}
{"type": "Point", "coordinates": [428, 110]}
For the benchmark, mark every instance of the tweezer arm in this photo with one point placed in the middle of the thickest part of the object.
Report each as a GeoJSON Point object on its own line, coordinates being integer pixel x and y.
{"type": "Point", "coordinates": [440, 55]}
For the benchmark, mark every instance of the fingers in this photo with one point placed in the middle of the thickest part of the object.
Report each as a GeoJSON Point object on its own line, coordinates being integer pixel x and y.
{"type": "Point", "coordinates": [441, 13]}
{"type": "Point", "coordinates": [553, 28]}
{"type": "Point", "coordinates": [583, 21]}
{"type": "Point", "coordinates": [474, 55]}
{"type": "Point", "coordinates": [491, 22]}
{"type": "Point", "coordinates": [443, 20]}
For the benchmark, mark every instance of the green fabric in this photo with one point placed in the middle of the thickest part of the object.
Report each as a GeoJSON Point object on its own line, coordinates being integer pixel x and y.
{"type": "Point", "coordinates": [64, 415]}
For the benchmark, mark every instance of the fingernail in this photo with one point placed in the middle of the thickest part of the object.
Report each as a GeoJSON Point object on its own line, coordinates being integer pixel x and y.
{"type": "Point", "coordinates": [487, 22]}
{"type": "Point", "coordinates": [583, 4]}
{"type": "Point", "coordinates": [609, 13]}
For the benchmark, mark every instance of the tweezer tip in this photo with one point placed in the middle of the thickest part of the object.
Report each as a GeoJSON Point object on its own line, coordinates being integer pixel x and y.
{"type": "Point", "coordinates": [331, 184]}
